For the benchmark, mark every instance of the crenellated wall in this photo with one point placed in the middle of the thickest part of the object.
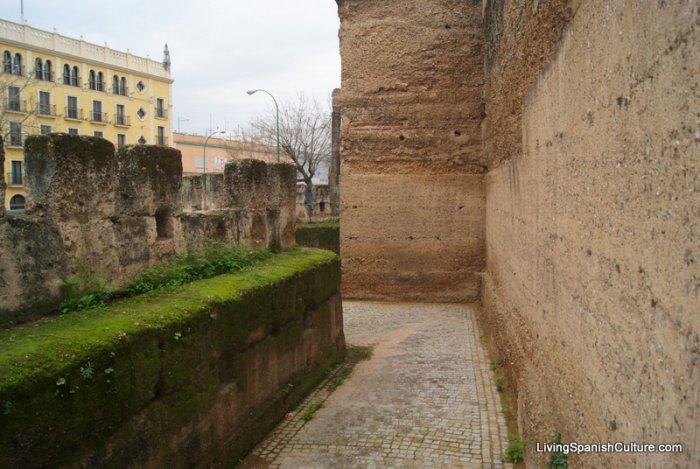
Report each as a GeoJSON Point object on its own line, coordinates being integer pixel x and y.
{"type": "Point", "coordinates": [125, 212]}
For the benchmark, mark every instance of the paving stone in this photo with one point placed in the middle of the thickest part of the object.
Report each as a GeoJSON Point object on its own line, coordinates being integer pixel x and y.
{"type": "Point", "coordinates": [426, 398]}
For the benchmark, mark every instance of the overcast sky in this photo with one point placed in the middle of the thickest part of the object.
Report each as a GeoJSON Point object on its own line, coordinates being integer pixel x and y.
{"type": "Point", "coordinates": [219, 48]}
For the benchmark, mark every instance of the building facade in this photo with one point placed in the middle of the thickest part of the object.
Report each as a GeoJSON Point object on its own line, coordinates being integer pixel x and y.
{"type": "Point", "coordinates": [53, 83]}
{"type": "Point", "coordinates": [201, 154]}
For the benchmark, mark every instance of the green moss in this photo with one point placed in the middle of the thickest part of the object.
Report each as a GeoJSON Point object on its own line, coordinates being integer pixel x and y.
{"type": "Point", "coordinates": [330, 223]}
{"type": "Point", "coordinates": [171, 346]}
{"type": "Point", "coordinates": [324, 235]}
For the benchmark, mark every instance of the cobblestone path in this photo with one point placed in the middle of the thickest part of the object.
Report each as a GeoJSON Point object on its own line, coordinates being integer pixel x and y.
{"type": "Point", "coordinates": [425, 399]}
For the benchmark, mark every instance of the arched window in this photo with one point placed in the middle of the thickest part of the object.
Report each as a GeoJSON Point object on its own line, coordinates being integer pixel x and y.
{"type": "Point", "coordinates": [17, 202]}
{"type": "Point", "coordinates": [38, 69]}
{"type": "Point", "coordinates": [66, 74]}
{"type": "Point", "coordinates": [93, 85]}
{"type": "Point", "coordinates": [115, 85]}
{"type": "Point", "coordinates": [122, 87]}
{"type": "Point", "coordinates": [74, 76]}
{"type": "Point", "coordinates": [17, 64]}
{"type": "Point", "coordinates": [100, 81]}
{"type": "Point", "coordinates": [47, 71]}
{"type": "Point", "coordinates": [7, 62]}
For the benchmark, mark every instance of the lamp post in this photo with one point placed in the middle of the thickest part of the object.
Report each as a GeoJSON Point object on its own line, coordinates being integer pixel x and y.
{"type": "Point", "coordinates": [205, 147]}
{"type": "Point", "coordinates": [277, 109]}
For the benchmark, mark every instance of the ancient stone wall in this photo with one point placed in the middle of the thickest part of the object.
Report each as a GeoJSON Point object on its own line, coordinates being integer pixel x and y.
{"type": "Point", "coordinates": [123, 212]}
{"type": "Point", "coordinates": [592, 221]}
{"type": "Point", "coordinates": [179, 379]}
{"type": "Point", "coordinates": [411, 186]}
{"type": "Point", "coordinates": [321, 207]}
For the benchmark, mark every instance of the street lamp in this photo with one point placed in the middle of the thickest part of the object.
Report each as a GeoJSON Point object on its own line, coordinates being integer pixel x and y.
{"type": "Point", "coordinates": [277, 109]}
{"type": "Point", "coordinates": [205, 147]}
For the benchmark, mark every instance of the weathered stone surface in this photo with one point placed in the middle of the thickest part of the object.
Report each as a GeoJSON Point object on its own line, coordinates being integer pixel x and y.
{"type": "Point", "coordinates": [2, 179]}
{"type": "Point", "coordinates": [192, 378]}
{"type": "Point", "coordinates": [121, 214]}
{"type": "Point", "coordinates": [592, 222]}
{"type": "Point", "coordinates": [412, 74]}
{"type": "Point", "coordinates": [70, 177]}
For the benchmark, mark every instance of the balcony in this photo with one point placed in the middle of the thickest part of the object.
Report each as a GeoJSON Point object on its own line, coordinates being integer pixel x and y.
{"type": "Point", "coordinates": [98, 117]}
{"type": "Point", "coordinates": [16, 105]}
{"type": "Point", "coordinates": [73, 113]}
{"type": "Point", "coordinates": [161, 113]}
{"type": "Point", "coordinates": [161, 140]}
{"type": "Point", "coordinates": [121, 120]}
{"type": "Point", "coordinates": [46, 110]}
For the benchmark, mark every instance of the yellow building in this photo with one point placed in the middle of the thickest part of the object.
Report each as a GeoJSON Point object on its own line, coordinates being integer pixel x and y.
{"type": "Point", "coordinates": [53, 83]}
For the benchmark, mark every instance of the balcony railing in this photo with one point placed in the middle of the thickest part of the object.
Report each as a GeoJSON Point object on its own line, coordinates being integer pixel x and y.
{"type": "Point", "coordinates": [14, 178]}
{"type": "Point", "coordinates": [97, 86]}
{"type": "Point", "coordinates": [71, 80]}
{"type": "Point", "coordinates": [120, 91]}
{"type": "Point", "coordinates": [73, 113]}
{"type": "Point", "coordinates": [162, 113]}
{"type": "Point", "coordinates": [46, 110]}
{"type": "Point", "coordinates": [122, 120]}
{"type": "Point", "coordinates": [43, 76]}
{"type": "Point", "coordinates": [161, 140]}
{"type": "Point", "coordinates": [16, 105]}
{"type": "Point", "coordinates": [13, 70]}
{"type": "Point", "coordinates": [100, 117]}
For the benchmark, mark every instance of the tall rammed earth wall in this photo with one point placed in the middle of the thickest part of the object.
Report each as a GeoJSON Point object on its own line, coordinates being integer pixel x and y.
{"type": "Point", "coordinates": [593, 221]}
{"type": "Point", "coordinates": [123, 212]}
{"type": "Point", "coordinates": [179, 379]}
{"type": "Point", "coordinates": [584, 116]}
{"type": "Point", "coordinates": [412, 176]}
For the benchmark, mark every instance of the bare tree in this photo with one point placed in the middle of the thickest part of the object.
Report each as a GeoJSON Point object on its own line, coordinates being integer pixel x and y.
{"type": "Point", "coordinates": [305, 136]}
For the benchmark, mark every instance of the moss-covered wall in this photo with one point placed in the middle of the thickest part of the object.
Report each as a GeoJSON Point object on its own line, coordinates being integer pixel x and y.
{"type": "Point", "coordinates": [187, 378]}
{"type": "Point", "coordinates": [123, 212]}
{"type": "Point", "coordinates": [324, 235]}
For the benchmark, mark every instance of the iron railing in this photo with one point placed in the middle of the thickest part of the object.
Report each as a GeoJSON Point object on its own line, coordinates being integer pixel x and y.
{"type": "Point", "coordinates": [122, 120]}
{"type": "Point", "coordinates": [14, 178]}
{"type": "Point", "coordinates": [16, 105]}
{"type": "Point", "coordinates": [96, 116]}
{"type": "Point", "coordinates": [73, 113]}
{"type": "Point", "coordinates": [46, 109]}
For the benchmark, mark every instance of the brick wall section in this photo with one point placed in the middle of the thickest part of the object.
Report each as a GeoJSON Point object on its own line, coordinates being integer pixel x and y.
{"type": "Point", "coordinates": [410, 143]}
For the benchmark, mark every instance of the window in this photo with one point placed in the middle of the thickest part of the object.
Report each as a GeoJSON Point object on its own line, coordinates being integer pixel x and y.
{"type": "Point", "coordinates": [141, 113]}
{"type": "Point", "coordinates": [92, 81]}
{"type": "Point", "coordinates": [38, 69]}
{"type": "Point", "coordinates": [119, 85]}
{"type": "Point", "coordinates": [321, 206]}
{"type": "Point", "coordinates": [161, 136]}
{"type": "Point", "coordinates": [17, 64]}
{"type": "Point", "coordinates": [16, 173]}
{"type": "Point", "coordinates": [7, 62]}
{"type": "Point", "coordinates": [120, 116]}
{"type": "Point", "coordinates": [17, 202]}
{"type": "Point", "coordinates": [142, 141]}
{"type": "Point", "coordinates": [97, 115]}
{"type": "Point", "coordinates": [160, 107]}
{"type": "Point", "coordinates": [121, 140]}
{"type": "Point", "coordinates": [48, 73]}
{"type": "Point", "coordinates": [72, 131]}
{"type": "Point", "coordinates": [45, 129]}
{"type": "Point", "coordinates": [99, 134]}
{"type": "Point", "coordinates": [140, 86]}
{"type": "Point", "coordinates": [74, 76]}
{"type": "Point", "coordinates": [66, 74]}
{"type": "Point", "coordinates": [15, 134]}
{"type": "Point", "coordinates": [100, 81]}
{"type": "Point", "coordinates": [13, 101]}
{"type": "Point", "coordinates": [72, 108]}
{"type": "Point", "coordinates": [199, 162]}
{"type": "Point", "coordinates": [45, 103]}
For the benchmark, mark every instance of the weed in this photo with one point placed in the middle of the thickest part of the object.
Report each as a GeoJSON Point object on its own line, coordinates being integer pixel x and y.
{"type": "Point", "coordinates": [86, 289]}
{"type": "Point", "coordinates": [515, 451]}
{"type": "Point", "coordinates": [356, 354]}
{"type": "Point", "coordinates": [86, 371]}
{"type": "Point", "coordinates": [311, 410]}
{"type": "Point", "coordinates": [499, 384]}
{"type": "Point", "coordinates": [195, 263]}
{"type": "Point", "coordinates": [342, 376]}
{"type": "Point", "coordinates": [495, 364]}
{"type": "Point", "coordinates": [557, 460]}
